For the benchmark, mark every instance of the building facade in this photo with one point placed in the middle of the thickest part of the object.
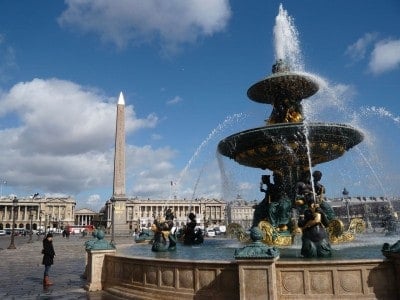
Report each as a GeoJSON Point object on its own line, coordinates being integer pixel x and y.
{"type": "Point", "coordinates": [141, 213]}
{"type": "Point", "coordinates": [41, 212]}
{"type": "Point", "coordinates": [241, 212]}
{"type": "Point", "coordinates": [84, 217]}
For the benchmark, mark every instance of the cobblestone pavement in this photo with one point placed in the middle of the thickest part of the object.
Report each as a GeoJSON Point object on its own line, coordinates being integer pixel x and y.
{"type": "Point", "coordinates": [21, 270]}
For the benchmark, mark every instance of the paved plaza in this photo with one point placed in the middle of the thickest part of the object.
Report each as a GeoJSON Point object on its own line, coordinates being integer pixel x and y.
{"type": "Point", "coordinates": [21, 272]}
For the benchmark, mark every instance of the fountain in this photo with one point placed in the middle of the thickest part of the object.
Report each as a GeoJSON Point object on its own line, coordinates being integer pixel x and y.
{"type": "Point", "coordinates": [290, 147]}
{"type": "Point", "coordinates": [287, 144]}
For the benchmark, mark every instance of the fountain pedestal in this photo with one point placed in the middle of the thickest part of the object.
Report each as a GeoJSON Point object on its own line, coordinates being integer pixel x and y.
{"type": "Point", "coordinates": [96, 250]}
{"type": "Point", "coordinates": [257, 280]}
{"type": "Point", "coordinates": [95, 277]}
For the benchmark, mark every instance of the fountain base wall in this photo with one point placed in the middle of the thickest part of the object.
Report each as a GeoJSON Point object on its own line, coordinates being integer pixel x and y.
{"type": "Point", "coordinates": [146, 278]}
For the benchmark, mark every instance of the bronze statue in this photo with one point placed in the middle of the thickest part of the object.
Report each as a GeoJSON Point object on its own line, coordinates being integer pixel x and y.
{"type": "Point", "coordinates": [315, 240]}
{"type": "Point", "coordinates": [276, 205]}
{"type": "Point", "coordinates": [192, 236]}
{"type": "Point", "coordinates": [162, 232]}
{"type": "Point", "coordinates": [319, 194]}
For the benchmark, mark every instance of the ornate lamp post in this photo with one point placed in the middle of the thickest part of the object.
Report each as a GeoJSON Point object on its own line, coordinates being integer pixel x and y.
{"type": "Point", "coordinates": [40, 224]}
{"type": "Point", "coordinates": [31, 210]}
{"type": "Point", "coordinates": [45, 223]}
{"type": "Point", "coordinates": [347, 199]}
{"type": "Point", "coordinates": [112, 221]}
{"type": "Point", "coordinates": [15, 204]}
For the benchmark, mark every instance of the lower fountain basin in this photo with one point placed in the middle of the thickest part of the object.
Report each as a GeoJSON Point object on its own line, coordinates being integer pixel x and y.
{"type": "Point", "coordinates": [265, 147]}
{"type": "Point", "coordinates": [197, 272]}
{"type": "Point", "coordinates": [365, 246]}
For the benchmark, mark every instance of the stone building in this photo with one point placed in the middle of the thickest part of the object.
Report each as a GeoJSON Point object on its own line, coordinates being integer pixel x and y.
{"type": "Point", "coordinates": [84, 217]}
{"type": "Point", "coordinates": [241, 212]}
{"type": "Point", "coordinates": [45, 212]}
{"type": "Point", "coordinates": [141, 213]}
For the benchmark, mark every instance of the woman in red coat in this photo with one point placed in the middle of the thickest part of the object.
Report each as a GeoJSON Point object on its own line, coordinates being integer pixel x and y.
{"type": "Point", "coordinates": [48, 256]}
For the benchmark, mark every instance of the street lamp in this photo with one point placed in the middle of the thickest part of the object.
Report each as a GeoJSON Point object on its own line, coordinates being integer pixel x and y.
{"type": "Point", "coordinates": [112, 221]}
{"type": "Point", "coordinates": [31, 210]}
{"type": "Point", "coordinates": [45, 224]}
{"type": "Point", "coordinates": [347, 199]}
{"type": "Point", "coordinates": [40, 224]}
{"type": "Point", "coordinates": [15, 204]}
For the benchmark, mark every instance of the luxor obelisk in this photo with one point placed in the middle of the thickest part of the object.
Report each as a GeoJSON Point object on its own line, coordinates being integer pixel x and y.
{"type": "Point", "coordinates": [119, 197]}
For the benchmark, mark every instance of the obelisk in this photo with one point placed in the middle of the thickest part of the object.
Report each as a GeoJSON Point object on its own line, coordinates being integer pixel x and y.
{"type": "Point", "coordinates": [119, 198]}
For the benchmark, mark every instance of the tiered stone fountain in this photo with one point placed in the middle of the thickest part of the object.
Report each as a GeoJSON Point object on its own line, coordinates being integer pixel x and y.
{"type": "Point", "coordinates": [287, 144]}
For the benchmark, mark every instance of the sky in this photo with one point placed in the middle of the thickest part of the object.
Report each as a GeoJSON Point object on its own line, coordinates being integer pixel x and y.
{"type": "Point", "coordinates": [184, 68]}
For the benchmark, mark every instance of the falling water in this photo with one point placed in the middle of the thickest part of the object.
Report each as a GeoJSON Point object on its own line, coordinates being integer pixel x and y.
{"type": "Point", "coordinates": [309, 156]}
{"type": "Point", "coordinates": [197, 182]}
{"type": "Point", "coordinates": [229, 120]}
{"type": "Point", "coordinates": [381, 112]}
{"type": "Point", "coordinates": [372, 171]}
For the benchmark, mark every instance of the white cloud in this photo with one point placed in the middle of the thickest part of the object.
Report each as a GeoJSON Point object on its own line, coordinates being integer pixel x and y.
{"type": "Point", "coordinates": [172, 23]}
{"type": "Point", "coordinates": [61, 139]}
{"type": "Point", "coordinates": [94, 200]}
{"type": "Point", "coordinates": [174, 100]}
{"type": "Point", "coordinates": [358, 50]}
{"type": "Point", "coordinates": [385, 56]}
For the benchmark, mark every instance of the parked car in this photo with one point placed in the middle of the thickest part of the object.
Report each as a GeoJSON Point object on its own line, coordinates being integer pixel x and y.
{"type": "Point", "coordinates": [210, 233]}
{"type": "Point", "coordinates": [3, 232]}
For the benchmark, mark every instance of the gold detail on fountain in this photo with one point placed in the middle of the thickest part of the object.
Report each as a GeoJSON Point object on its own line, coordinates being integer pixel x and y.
{"type": "Point", "coordinates": [324, 146]}
{"type": "Point", "coordinates": [272, 236]}
{"type": "Point", "coordinates": [294, 145]}
{"type": "Point", "coordinates": [286, 111]}
{"type": "Point", "coordinates": [338, 235]}
{"type": "Point", "coordinates": [251, 152]}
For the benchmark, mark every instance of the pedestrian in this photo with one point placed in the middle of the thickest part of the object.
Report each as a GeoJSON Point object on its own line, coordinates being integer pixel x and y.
{"type": "Point", "coordinates": [48, 257]}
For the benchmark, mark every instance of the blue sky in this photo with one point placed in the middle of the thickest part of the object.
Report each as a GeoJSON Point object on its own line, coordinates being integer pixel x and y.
{"type": "Point", "coordinates": [184, 68]}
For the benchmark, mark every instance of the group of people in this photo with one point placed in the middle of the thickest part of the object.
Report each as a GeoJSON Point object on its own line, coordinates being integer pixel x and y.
{"type": "Point", "coordinates": [314, 213]}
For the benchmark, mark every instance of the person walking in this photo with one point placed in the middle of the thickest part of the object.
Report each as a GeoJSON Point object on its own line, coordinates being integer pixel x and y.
{"type": "Point", "coordinates": [48, 257]}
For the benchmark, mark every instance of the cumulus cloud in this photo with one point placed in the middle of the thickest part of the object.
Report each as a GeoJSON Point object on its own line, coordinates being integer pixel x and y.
{"type": "Point", "coordinates": [358, 50]}
{"type": "Point", "coordinates": [385, 56]}
{"type": "Point", "coordinates": [171, 23]}
{"type": "Point", "coordinates": [174, 100]}
{"type": "Point", "coordinates": [61, 136]}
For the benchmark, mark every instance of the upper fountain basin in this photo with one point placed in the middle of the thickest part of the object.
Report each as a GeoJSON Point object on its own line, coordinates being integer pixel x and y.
{"type": "Point", "coordinates": [283, 85]}
{"type": "Point", "coordinates": [284, 145]}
